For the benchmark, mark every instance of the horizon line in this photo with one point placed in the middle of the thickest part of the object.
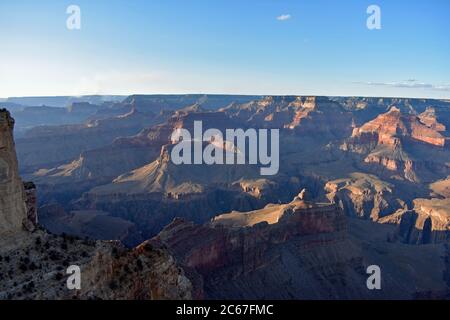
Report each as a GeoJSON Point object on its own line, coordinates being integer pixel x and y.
{"type": "Point", "coordinates": [221, 94]}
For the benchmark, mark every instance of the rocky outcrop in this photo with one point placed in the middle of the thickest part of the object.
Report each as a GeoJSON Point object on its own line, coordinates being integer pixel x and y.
{"type": "Point", "coordinates": [398, 143]}
{"type": "Point", "coordinates": [365, 196]}
{"type": "Point", "coordinates": [31, 204]}
{"type": "Point", "coordinates": [36, 269]}
{"type": "Point", "coordinates": [13, 211]}
{"type": "Point", "coordinates": [143, 273]}
{"type": "Point", "coordinates": [430, 119]}
{"type": "Point", "coordinates": [388, 129]}
{"type": "Point", "coordinates": [427, 222]}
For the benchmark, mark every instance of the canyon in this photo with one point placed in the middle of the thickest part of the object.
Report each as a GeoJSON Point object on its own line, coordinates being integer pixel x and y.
{"type": "Point", "coordinates": [374, 174]}
{"type": "Point", "coordinates": [298, 250]}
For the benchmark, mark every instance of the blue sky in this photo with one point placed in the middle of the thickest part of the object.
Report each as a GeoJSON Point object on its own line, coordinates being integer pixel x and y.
{"type": "Point", "coordinates": [225, 46]}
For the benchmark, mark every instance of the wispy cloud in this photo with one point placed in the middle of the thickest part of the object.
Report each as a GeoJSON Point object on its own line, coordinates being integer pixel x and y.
{"type": "Point", "coordinates": [284, 17]}
{"type": "Point", "coordinates": [411, 84]}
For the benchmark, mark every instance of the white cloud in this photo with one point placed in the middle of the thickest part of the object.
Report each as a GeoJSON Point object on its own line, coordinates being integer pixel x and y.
{"type": "Point", "coordinates": [284, 17]}
{"type": "Point", "coordinates": [410, 84]}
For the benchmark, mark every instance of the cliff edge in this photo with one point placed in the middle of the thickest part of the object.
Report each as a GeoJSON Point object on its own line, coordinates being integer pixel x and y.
{"type": "Point", "coordinates": [13, 210]}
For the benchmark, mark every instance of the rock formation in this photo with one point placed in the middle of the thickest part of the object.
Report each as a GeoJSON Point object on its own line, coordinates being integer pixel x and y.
{"type": "Point", "coordinates": [298, 250]}
{"type": "Point", "coordinates": [13, 211]}
{"type": "Point", "coordinates": [364, 196]}
{"type": "Point", "coordinates": [305, 115]}
{"type": "Point", "coordinates": [387, 129]}
{"type": "Point", "coordinates": [242, 255]}
{"type": "Point", "coordinates": [428, 221]}
{"type": "Point", "coordinates": [33, 262]}
{"type": "Point", "coordinates": [399, 143]}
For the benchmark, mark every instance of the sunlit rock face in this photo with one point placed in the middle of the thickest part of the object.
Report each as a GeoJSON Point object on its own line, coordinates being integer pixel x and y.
{"type": "Point", "coordinates": [389, 128]}
{"type": "Point", "coordinates": [410, 146]}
